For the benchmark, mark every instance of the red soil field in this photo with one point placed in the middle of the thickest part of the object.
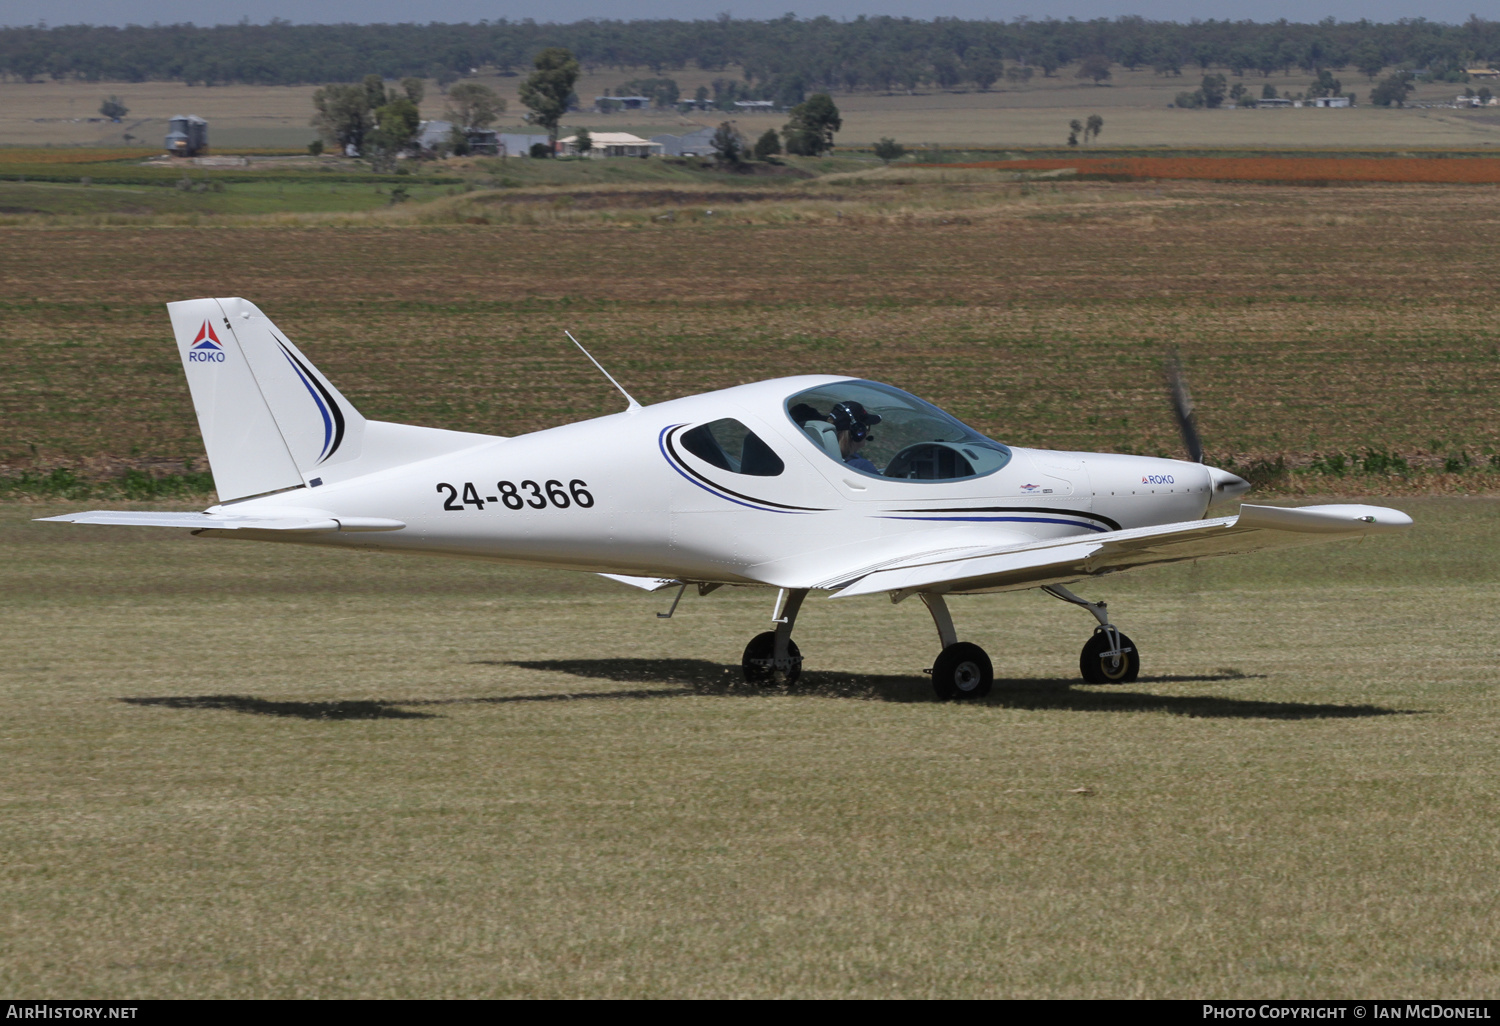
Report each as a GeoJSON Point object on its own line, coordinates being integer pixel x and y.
{"type": "Point", "coordinates": [1461, 170]}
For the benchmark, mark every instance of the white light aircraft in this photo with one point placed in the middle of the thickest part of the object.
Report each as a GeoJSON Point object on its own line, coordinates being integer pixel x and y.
{"type": "Point", "coordinates": [804, 484]}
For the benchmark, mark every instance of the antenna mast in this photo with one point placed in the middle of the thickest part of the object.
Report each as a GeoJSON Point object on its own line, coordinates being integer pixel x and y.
{"type": "Point", "coordinates": [628, 397]}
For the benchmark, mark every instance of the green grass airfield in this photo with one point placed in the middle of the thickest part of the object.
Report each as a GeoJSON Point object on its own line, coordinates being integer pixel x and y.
{"type": "Point", "coordinates": [244, 770]}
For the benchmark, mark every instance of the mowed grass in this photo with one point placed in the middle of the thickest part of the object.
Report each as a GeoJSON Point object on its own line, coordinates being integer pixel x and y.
{"type": "Point", "coordinates": [1312, 321]}
{"type": "Point", "coordinates": [262, 771]}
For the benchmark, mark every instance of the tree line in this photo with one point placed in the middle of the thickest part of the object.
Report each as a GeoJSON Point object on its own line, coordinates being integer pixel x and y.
{"type": "Point", "coordinates": [781, 58]}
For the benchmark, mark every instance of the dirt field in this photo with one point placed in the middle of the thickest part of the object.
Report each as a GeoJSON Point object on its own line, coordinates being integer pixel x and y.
{"type": "Point", "coordinates": [1133, 105]}
{"type": "Point", "coordinates": [1314, 321]}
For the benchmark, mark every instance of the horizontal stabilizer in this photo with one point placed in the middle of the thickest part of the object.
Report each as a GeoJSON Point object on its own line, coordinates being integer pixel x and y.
{"type": "Point", "coordinates": [312, 520]}
{"type": "Point", "coordinates": [1061, 560]}
{"type": "Point", "coordinates": [644, 583]}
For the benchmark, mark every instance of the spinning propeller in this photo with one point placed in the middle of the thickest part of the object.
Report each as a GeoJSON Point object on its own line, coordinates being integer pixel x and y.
{"type": "Point", "coordinates": [1226, 485]}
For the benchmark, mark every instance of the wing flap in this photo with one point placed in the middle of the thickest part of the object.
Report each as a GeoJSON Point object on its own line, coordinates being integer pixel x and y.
{"type": "Point", "coordinates": [1059, 561]}
{"type": "Point", "coordinates": [644, 583]}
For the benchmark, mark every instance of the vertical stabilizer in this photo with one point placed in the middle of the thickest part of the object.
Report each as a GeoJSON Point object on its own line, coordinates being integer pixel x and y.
{"type": "Point", "coordinates": [270, 421]}
{"type": "Point", "coordinates": [245, 448]}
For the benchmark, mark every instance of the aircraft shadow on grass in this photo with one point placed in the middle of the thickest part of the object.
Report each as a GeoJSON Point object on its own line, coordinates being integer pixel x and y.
{"type": "Point", "coordinates": [700, 677]}
{"type": "Point", "coordinates": [681, 678]}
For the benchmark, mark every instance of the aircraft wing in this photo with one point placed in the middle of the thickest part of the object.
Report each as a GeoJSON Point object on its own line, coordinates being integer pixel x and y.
{"type": "Point", "coordinates": [1061, 560]}
{"type": "Point", "coordinates": [290, 520]}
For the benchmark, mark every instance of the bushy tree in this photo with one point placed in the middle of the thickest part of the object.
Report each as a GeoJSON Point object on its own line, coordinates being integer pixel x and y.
{"type": "Point", "coordinates": [814, 121]}
{"type": "Point", "coordinates": [583, 142]}
{"type": "Point", "coordinates": [549, 89]}
{"type": "Point", "coordinates": [1368, 59]}
{"type": "Point", "coordinates": [1094, 66]}
{"type": "Point", "coordinates": [984, 72]}
{"type": "Point", "coordinates": [1094, 126]}
{"type": "Point", "coordinates": [473, 106]}
{"type": "Point", "coordinates": [396, 123]}
{"type": "Point", "coordinates": [113, 109]}
{"type": "Point", "coordinates": [376, 122]}
{"type": "Point", "coordinates": [1213, 89]}
{"type": "Point", "coordinates": [768, 145]}
{"type": "Point", "coordinates": [889, 150]}
{"type": "Point", "coordinates": [729, 145]}
{"type": "Point", "coordinates": [343, 115]}
{"type": "Point", "coordinates": [1393, 89]}
{"type": "Point", "coordinates": [1074, 127]}
{"type": "Point", "coordinates": [1326, 85]}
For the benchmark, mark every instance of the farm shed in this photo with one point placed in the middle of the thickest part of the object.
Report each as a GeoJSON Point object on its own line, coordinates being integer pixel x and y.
{"type": "Point", "coordinates": [608, 103]}
{"type": "Point", "coordinates": [433, 136]}
{"type": "Point", "coordinates": [519, 144]}
{"type": "Point", "coordinates": [187, 136]}
{"type": "Point", "coordinates": [693, 144]}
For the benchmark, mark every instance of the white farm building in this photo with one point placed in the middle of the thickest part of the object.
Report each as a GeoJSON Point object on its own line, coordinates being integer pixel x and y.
{"type": "Point", "coordinates": [613, 144]}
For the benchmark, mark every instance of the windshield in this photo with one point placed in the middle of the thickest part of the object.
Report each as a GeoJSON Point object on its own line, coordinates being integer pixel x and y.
{"type": "Point", "coordinates": [882, 431]}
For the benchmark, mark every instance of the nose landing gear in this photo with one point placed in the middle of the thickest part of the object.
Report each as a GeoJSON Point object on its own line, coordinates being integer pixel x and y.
{"type": "Point", "coordinates": [1109, 657]}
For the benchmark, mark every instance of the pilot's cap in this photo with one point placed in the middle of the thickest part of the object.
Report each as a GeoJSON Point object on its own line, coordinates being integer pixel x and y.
{"type": "Point", "coordinates": [854, 418]}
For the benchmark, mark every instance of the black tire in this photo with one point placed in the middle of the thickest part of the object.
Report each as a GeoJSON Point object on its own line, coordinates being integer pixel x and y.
{"type": "Point", "coordinates": [1095, 664]}
{"type": "Point", "coordinates": [757, 660]}
{"type": "Point", "coordinates": [962, 671]}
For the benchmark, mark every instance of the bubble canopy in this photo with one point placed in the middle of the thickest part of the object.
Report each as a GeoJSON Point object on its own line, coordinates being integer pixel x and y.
{"type": "Point", "coordinates": [905, 437]}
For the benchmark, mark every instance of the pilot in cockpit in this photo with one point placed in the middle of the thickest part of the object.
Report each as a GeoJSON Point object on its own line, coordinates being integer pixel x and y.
{"type": "Point", "coordinates": [853, 422]}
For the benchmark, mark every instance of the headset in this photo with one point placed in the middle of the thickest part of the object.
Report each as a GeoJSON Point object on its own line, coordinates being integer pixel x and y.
{"type": "Point", "coordinates": [853, 418]}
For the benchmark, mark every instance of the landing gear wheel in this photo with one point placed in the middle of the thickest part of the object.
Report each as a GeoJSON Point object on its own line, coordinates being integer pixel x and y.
{"type": "Point", "coordinates": [1099, 667]}
{"type": "Point", "coordinates": [759, 660]}
{"type": "Point", "coordinates": [962, 671]}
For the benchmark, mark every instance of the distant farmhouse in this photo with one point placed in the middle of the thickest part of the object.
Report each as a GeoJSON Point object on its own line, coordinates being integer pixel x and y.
{"type": "Point", "coordinates": [613, 144]}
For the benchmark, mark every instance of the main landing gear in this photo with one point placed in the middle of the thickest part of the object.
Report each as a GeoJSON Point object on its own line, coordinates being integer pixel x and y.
{"type": "Point", "coordinates": [962, 669]}
{"type": "Point", "coordinates": [774, 654]}
{"type": "Point", "coordinates": [1109, 657]}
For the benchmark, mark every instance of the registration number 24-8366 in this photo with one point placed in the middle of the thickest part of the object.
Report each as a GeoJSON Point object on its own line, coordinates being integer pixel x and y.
{"type": "Point", "coordinates": [529, 493]}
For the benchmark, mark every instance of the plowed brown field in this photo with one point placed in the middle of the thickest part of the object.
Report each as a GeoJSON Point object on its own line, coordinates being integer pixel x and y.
{"type": "Point", "coordinates": [1464, 170]}
{"type": "Point", "coordinates": [1312, 321]}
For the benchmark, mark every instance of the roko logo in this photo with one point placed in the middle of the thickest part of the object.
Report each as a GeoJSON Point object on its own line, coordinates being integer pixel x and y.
{"type": "Point", "coordinates": [206, 348]}
{"type": "Point", "coordinates": [1158, 479]}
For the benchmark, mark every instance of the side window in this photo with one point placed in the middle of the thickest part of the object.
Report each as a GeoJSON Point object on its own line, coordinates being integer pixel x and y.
{"type": "Point", "coordinates": [730, 445]}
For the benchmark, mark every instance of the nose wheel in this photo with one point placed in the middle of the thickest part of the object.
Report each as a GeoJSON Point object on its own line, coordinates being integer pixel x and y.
{"type": "Point", "coordinates": [1109, 657]}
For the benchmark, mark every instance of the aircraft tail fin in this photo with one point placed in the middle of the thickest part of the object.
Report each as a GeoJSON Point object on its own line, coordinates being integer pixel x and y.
{"type": "Point", "coordinates": [270, 420]}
